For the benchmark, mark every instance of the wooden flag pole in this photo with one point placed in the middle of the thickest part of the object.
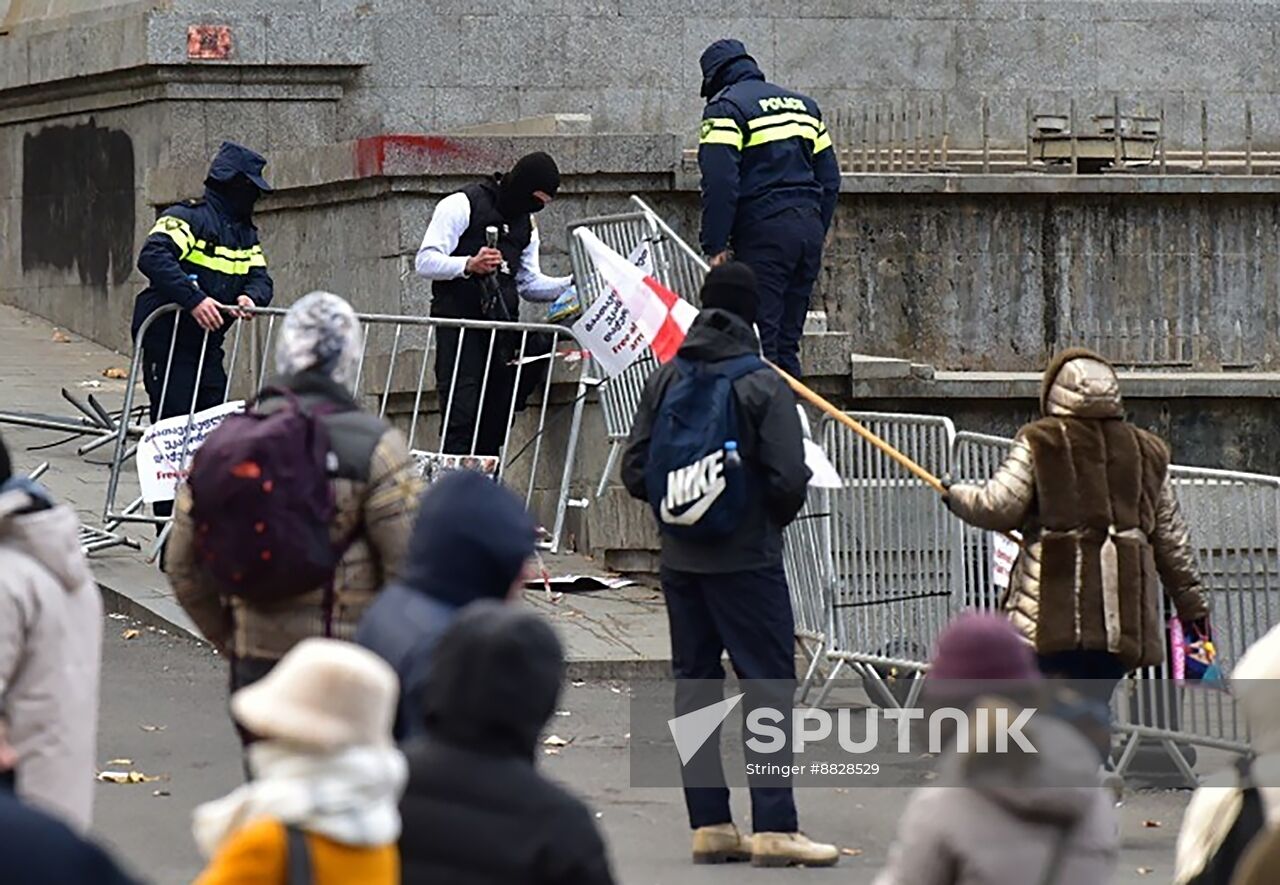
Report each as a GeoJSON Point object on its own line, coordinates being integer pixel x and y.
{"type": "Point", "coordinates": [823, 404]}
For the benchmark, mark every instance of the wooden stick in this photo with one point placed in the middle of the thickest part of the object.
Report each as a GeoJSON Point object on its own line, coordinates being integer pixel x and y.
{"type": "Point", "coordinates": [823, 404]}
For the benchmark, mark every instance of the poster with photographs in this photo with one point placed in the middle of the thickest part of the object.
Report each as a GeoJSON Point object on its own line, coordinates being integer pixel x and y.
{"type": "Point", "coordinates": [433, 465]}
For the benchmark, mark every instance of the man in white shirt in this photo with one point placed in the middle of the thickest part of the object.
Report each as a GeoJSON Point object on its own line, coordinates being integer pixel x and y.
{"type": "Point", "coordinates": [475, 281]}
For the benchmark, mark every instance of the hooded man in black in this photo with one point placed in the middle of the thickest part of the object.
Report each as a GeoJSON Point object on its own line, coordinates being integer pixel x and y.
{"type": "Point", "coordinates": [731, 594]}
{"type": "Point", "coordinates": [472, 540]}
{"type": "Point", "coordinates": [476, 811]}
{"type": "Point", "coordinates": [472, 280]}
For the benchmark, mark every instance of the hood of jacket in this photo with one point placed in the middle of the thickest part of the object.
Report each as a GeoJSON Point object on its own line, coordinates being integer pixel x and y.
{"type": "Point", "coordinates": [233, 160]}
{"type": "Point", "coordinates": [724, 63]}
{"type": "Point", "coordinates": [1058, 784]}
{"type": "Point", "coordinates": [494, 681]}
{"type": "Point", "coordinates": [32, 524]}
{"type": "Point", "coordinates": [1080, 384]}
{"type": "Point", "coordinates": [718, 335]}
{"type": "Point", "coordinates": [471, 540]}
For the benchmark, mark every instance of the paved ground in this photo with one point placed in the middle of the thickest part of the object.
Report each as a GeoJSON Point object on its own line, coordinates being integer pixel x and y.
{"type": "Point", "coordinates": [177, 687]}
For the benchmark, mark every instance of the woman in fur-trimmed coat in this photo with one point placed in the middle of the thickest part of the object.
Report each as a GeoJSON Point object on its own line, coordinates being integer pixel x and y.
{"type": "Point", "coordinates": [1101, 528]}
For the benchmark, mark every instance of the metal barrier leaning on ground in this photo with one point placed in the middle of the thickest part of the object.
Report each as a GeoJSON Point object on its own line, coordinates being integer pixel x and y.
{"type": "Point", "coordinates": [534, 347]}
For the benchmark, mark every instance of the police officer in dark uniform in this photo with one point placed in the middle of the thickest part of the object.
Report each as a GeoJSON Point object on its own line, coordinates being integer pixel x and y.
{"type": "Point", "coordinates": [213, 240]}
{"type": "Point", "coordinates": [474, 280]}
{"type": "Point", "coordinates": [770, 181]}
{"type": "Point", "coordinates": [200, 254]}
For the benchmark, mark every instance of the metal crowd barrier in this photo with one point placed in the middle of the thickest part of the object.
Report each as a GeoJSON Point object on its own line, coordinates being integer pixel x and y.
{"type": "Point", "coordinates": [674, 264]}
{"type": "Point", "coordinates": [894, 549]}
{"type": "Point", "coordinates": [811, 575]}
{"type": "Point", "coordinates": [1235, 526]}
{"type": "Point", "coordinates": [401, 384]}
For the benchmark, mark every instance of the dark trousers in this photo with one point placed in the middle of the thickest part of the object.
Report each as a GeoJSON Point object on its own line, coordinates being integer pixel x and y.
{"type": "Point", "coordinates": [245, 672]}
{"type": "Point", "coordinates": [785, 252]}
{"type": "Point", "coordinates": [749, 615]}
{"type": "Point", "coordinates": [505, 392]}
{"type": "Point", "coordinates": [181, 390]}
{"type": "Point", "coordinates": [1093, 675]}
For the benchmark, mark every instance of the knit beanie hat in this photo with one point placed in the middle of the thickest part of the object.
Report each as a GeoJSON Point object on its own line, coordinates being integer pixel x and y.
{"type": "Point", "coordinates": [320, 333]}
{"type": "Point", "coordinates": [978, 646]}
{"type": "Point", "coordinates": [732, 287]}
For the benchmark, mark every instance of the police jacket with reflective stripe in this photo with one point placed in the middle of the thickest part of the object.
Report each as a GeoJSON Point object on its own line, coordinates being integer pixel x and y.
{"type": "Point", "coordinates": [762, 149]}
{"type": "Point", "coordinates": [200, 237]}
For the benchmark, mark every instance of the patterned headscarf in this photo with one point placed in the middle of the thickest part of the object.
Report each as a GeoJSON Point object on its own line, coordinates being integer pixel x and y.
{"type": "Point", "coordinates": [320, 333]}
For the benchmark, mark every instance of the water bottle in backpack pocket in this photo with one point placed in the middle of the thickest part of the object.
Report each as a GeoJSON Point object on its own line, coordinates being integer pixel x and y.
{"type": "Point", "coordinates": [695, 479]}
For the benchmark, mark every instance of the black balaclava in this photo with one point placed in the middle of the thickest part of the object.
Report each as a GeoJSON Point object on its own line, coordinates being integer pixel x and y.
{"type": "Point", "coordinates": [532, 172]}
{"type": "Point", "coordinates": [240, 194]}
{"type": "Point", "coordinates": [732, 287]}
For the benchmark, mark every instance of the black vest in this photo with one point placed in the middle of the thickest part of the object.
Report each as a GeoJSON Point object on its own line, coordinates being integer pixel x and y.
{"type": "Point", "coordinates": [461, 298]}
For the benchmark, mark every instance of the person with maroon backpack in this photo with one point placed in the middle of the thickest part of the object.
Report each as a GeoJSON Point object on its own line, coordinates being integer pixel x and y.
{"type": "Point", "coordinates": [297, 511]}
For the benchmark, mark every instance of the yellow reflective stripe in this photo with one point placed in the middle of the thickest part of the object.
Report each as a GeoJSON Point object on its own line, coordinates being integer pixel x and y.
{"type": "Point", "coordinates": [175, 229]}
{"type": "Point", "coordinates": [781, 133]}
{"type": "Point", "coordinates": [233, 254]}
{"type": "Point", "coordinates": [719, 136]}
{"type": "Point", "coordinates": [721, 130]}
{"type": "Point", "coordinates": [225, 265]}
{"type": "Point", "coordinates": [789, 117]}
{"type": "Point", "coordinates": [823, 142]}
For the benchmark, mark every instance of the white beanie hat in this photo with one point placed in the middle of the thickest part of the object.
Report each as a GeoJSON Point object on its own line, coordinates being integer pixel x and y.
{"type": "Point", "coordinates": [324, 695]}
{"type": "Point", "coordinates": [320, 333]}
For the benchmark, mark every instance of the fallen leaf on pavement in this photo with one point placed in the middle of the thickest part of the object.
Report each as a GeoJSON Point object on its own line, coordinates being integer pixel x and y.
{"type": "Point", "coordinates": [60, 337]}
{"type": "Point", "coordinates": [563, 713]}
{"type": "Point", "coordinates": [554, 740]}
{"type": "Point", "coordinates": [550, 751]}
{"type": "Point", "coordinates": [1145, 871]}
{"type": "Point", "coordinates": [577, 683]}
{"type": "Point", "coordinates": [1152, 824]}
{"type": "Point", "coordinates": [93, 385]}
{"type": "Point", "coordinates": [153, 727]}
{"type": "Point", "coordinates": [131, 634]}
{"type": "Point", "coordinates": [851, 852]}
{"type": "Point", "coordinates": [115, 372]}
{"type": "Point", "coordinates": [125, 762]}
{"type": "Point", "coordinates": [160, 793]}
{"type": "Point", "coordinates": [126, 777]}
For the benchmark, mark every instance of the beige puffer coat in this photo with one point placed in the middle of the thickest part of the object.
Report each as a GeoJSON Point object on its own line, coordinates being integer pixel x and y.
{"type": "Point", "coordinates": [50, 654]}
{"type": "Point", "coordinates": [1100, 523]}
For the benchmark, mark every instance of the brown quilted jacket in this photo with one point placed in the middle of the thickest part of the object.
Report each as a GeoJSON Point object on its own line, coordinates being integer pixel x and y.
{"type": "Point", "coordinates": [376, 495]}
{"type": "Point", "coordinates": [1100, 523]}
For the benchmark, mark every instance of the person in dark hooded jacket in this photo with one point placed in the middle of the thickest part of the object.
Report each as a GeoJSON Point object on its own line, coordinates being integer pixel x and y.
{"type": "Point", "coordinates": [476, 811]}
{"type": "Point", "coordinates": [731, 593]}
{"type": "Point", "coordinates": [471, 541]}
{"type": "Point", "coordinates": [200, 254]}
{"type": "Point", "coordinates": [770, 181]}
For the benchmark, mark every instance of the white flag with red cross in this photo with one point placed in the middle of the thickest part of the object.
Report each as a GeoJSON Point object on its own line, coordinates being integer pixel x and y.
{"type": "Point", "coordinates": [658, 315]}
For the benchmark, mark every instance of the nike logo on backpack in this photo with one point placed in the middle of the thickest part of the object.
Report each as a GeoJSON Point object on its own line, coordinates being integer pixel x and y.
{"type": "Point", "coordinates": [700, 483]}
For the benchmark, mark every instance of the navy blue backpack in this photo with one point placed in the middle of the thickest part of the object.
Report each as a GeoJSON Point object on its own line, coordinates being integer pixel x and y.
{"type": "Point", "coordinates": [694, 478]}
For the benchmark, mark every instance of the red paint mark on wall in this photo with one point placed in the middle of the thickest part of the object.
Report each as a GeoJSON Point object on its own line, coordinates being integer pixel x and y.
{"type": "Point", "coordinates": [372, 152]}
{"type": "Point", "coordinates": [209, 42]}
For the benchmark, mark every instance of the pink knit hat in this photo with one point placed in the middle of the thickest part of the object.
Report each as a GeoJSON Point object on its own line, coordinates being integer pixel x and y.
{"type": "Point", "coordinates": [977, 646]}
